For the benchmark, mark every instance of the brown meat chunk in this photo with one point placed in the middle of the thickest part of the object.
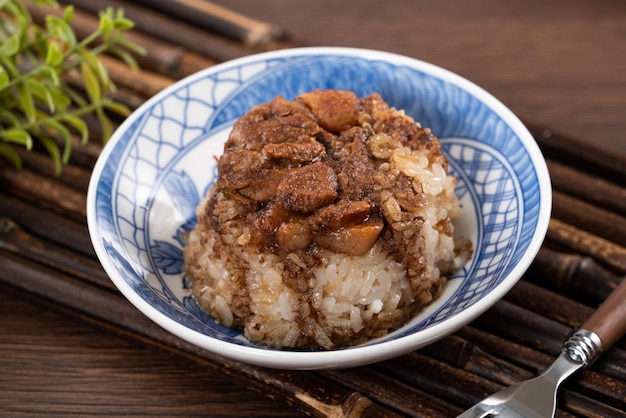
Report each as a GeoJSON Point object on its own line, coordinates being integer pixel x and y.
{"type": "Point", "coordinates": [335, 110]}
{"type": "Point", "coordinates": [263, 187]}
{"type": "Point", "coordinates": [356, 172]}
{"type": "Point", "coordinates": [245, 127]}
{"type": "Point", "coordinates": [266, 222]}
{"type": "Point", "coordinates": [304, 151]}
{"type": "Point", "coordinates": [353, 240]}
{"type": "Point", "coordinates": [293, 235]}
{"type": "Point", "coordinates": [261, 126]}
{"type": "Point", "coordinates": [280, 106]}
{"type": "Point", "coordinates": [308, 188]}
{"type": "Point", "coordinates": [239, 168]}
{"type": "Point", "coordinates": [343, 213]}
{"type": "Point", "coordinates": [292, 128]}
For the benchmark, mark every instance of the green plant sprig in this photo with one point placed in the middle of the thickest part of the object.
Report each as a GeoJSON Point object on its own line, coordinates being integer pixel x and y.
{"type": "Point", "coordinates": [38, 102]}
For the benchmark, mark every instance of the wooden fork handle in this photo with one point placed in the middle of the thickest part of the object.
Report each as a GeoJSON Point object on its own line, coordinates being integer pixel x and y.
{"type": "Point", "coordinates": [609, 321]}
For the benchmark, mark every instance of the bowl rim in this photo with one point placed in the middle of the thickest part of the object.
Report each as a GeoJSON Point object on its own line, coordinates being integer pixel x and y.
{"type": "Point", "coordinates": [356, 355]}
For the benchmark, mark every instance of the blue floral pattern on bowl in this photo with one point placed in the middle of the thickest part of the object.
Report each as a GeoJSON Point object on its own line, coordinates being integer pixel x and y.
{"type": "Point", "coordinates": [161, 162]}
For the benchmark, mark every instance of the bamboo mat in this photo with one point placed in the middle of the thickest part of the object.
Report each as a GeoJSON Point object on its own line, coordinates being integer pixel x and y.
{"type": "Point", "coordinates": [45, 250]}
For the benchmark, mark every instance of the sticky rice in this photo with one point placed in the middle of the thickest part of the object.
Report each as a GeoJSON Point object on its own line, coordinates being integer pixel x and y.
{"type": "Point", "coordinates": [330, 223]}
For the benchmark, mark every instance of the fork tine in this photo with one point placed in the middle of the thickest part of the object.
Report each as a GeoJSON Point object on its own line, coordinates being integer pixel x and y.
{"type": "Point", "coordinates": [477, 411]}
{"type": "Point", "coordinates": [495, 405]}
{"type": "Point", "coordinates": [492, 406]}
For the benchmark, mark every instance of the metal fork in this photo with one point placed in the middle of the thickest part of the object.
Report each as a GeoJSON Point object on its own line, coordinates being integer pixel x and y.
{"type": "Point", "coordinates": [536, 398]}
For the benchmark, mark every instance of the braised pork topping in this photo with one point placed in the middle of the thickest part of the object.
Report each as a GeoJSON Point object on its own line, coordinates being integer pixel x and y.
{"type": "Point", "coordinates": [309, 170]}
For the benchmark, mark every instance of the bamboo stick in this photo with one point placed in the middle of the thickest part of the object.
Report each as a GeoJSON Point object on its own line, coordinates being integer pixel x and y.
{"type": "Point", "coordinates": [589, 188]}
{"type": "Point", "coordinates": [55, 228]}
{"type": "Point", "coordinates": [392, 393]}
{"type": "Point", "coordinates": [515, 353]}
{"type": "Point", "coordinates": [582, 155]}
{"type": "Point", "coordinates": [143, 82]}
{"type": "Point", "coordinates": [212, 17]}
{"type": "Point", "coordinates": [176, 32]}
{"type": "Point", "coordinates": [583, 406]}
{"type": "Point", "coordinates": [573, 275]}
{"type": "Point", "coordinates": [548, 304]}
{"type": "Point", "coordinates": [524, 327]}
{"type": "Point", "coordinates": [602, 250]}
{"type": "Point", "coordinates": [15, 240]}
{"type": "Point", "coordinates": [433, 376]}
{"type": "Point", "coordinates": [590, 218]}
{"type": "Point", "coordinates": [43, 191]}
{"type": "Point", "coordinates": [467, 356]}
{"type": "Point", "coordinates": [42, 164]}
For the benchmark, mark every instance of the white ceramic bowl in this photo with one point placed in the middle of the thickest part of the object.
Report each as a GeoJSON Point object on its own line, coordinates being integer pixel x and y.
{"type": "Point", "coordinates": [158, 165]}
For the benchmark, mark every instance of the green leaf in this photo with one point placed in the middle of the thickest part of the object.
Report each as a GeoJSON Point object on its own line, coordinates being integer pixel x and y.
{"type": "Point", "coordinates": [68, 14]}
{"type": "Point", "coordinates": [60, 99]}
{"type": "Point", "coordinates": [8, 7]}
{"type": "Point", "coordinates": [132, 46]}
{"type": "Point", "coordinates": [23, 29]}
{"type": "Point", "coordinates": [106, 24]}
{"type": "Point", "coordinates": [8, 118]}
{"type": "Point", "coordinates": [54, 55]}
{"type": "Point", "coordinates": [59, 28]}
{"type": "Point", "coordinates": [10, 67]}
{"type": "Point", "coordinates": [103, 75]}
{"type": "Point", "coordinates": [10, 154]}
{"type": "Point", "coordinates": [122, 23]}
{"type": "Point", "coordinates": [17, 136]}
{"type": "Point", "coordinates": [25, 99]}
{"type": "Point", "coordinates": [79, 125]}
{"type": "Point", "coordinates": [124, 56]}
{"type": "Point", "coordinates": [105, 124]}
{"type": "Point", "coordinates": [42, 92]}
{"type": "Point", "coordinates": [116, 107]}
{"type": "Point", "coordinates": [50, 74]}
{"type": "Point", "coordinates": [91, 83]}
{"type": "Point", "coordinates": [38, 41]}
{"type": "Point", "coordinates": [88, 57]}
{"type": "Point", "coordinates": [58, 128]}
{"type": "Point", "coordinates": [17, 10]}
{"type": "Point", "coordinates": [11, 46]}
{"type": "Point", "coordinates": [53, 150]}
{"type": "Point", "coordinates": [4, 78]}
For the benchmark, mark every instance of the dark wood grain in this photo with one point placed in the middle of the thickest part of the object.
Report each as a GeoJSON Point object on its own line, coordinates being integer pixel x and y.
{"type": "Point", "coordinates": [560, 64]}
{"type": "Point", "coordinates": [55, 366]}
{"type": "Point", "coordinates": [71, 345]}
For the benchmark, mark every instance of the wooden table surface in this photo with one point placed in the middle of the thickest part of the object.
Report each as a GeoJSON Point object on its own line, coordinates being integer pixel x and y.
{"type": "Point", "coordinates": [560, 64]}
